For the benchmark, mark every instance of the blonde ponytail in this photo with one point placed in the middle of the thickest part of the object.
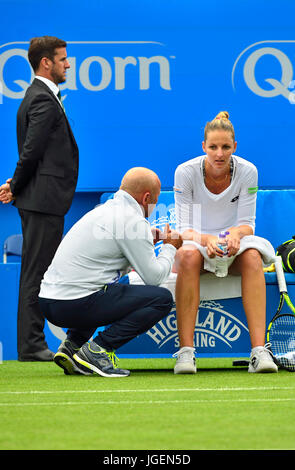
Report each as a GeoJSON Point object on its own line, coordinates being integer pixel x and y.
{"type": "Point", "coordinates": [222, 115]}
{"type": "Point", "coordinates": [220, 122]}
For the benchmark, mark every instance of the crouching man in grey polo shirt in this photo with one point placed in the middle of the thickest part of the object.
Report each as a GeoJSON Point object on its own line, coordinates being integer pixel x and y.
{"type": "Point", "coordinates": [80, 291]}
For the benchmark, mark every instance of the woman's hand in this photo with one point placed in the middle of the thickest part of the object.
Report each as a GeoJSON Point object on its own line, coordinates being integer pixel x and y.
{"type": "Point", "coordinates": [233, 244]}
{"type": "Point", "coordinates": [233, 241]}
{"type": "Point", "coordinates": [212, 248]}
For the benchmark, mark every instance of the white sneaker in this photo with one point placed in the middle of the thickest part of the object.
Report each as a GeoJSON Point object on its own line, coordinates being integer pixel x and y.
{"type": "Point", "coordinates": [261, 360]}
{"type": "Point", "coordinates": [186, 361]}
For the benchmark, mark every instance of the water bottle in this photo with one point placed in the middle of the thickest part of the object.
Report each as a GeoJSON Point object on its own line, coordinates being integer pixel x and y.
{"type": "Point", "coordinates": [221, 262]}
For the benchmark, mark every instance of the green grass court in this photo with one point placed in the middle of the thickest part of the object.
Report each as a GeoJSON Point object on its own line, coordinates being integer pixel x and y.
{"type": "Point", "coordinates": [220, 408]}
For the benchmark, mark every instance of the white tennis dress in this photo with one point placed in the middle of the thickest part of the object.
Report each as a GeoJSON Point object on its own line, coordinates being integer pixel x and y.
{"type": "Point", "coordinates": [236, 205]}
{"type": "Point", "coordinates": [199, 209]}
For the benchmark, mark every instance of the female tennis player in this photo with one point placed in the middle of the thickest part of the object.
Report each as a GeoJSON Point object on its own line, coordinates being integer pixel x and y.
{"type": "Point", "coordinates": [217, 192]}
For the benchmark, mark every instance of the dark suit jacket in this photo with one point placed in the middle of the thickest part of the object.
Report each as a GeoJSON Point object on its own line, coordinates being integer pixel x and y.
{"type": "Point", "coordinates": [46, 174]}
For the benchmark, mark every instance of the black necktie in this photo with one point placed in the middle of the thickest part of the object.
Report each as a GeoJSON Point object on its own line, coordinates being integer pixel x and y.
{"type": "Point", "coordinates": [59, 97]}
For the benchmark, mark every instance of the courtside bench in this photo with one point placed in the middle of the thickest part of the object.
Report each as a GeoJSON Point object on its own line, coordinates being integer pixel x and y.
{"type": "Point", "coordinates": [221, 329]}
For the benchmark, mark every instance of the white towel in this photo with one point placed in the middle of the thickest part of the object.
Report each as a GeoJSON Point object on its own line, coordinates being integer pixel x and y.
{"type": "Point", "coordinates": [250, 241]}
{"type": "Point", "coordinates": [212, 287]}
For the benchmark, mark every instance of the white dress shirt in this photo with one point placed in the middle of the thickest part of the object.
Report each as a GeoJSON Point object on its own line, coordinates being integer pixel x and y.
{"type": "Point", "coordinates": [101, 247]}
{"type": "Point", "coordinates": [51, 85]}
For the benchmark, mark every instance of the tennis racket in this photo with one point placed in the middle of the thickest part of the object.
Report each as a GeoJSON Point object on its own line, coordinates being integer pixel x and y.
{"type": "Point", "coordinates": [281, 330]}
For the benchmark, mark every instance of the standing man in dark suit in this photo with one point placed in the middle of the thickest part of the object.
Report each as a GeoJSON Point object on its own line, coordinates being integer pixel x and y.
{"type": "Point", "coordinates": [43, 185]}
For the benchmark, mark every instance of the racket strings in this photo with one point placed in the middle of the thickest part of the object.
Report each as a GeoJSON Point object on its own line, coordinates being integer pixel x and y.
{"type": "Point", "coordinates": [282, 339]}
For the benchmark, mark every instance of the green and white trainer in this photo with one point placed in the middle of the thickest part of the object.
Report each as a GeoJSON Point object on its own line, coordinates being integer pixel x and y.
{"type": "Point", "coordinates": [98, 360]}
{"type": "Point", "coordinates": [64, 359]}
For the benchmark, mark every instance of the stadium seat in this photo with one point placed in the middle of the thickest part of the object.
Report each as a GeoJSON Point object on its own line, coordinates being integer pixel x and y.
{"type": "Point", "coordinates": [12, 247]}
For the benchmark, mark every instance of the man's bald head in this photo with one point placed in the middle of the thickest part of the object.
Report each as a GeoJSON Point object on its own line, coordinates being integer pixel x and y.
{"type": "Point", "coordinates": [140, 180]}
{"type": "Point", "coordinates": [143, 185]}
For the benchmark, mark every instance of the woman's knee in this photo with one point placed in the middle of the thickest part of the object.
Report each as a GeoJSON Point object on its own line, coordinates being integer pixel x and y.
{"type": "Point", "coordinates": [188, 259]}
{"type": "Point", "coordinates": [251, 259]}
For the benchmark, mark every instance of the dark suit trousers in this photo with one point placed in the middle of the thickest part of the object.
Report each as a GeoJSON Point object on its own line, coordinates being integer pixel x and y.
{"type": "Point", "coordinates": [42, 233]}
{"type": "Point", "coordinates": [126, 310]}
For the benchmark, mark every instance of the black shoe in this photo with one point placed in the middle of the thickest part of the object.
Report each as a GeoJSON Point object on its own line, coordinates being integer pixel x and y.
{"type": "Point", "coordinates": [97, 359]}
{"type": "Point", "coordinates": [43, 356]}
{"type": "Point", "coordinates": [64, 359]}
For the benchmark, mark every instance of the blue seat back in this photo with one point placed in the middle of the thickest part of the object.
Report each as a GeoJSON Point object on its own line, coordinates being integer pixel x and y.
{"type": "Point", "coordinates": [13, 247]}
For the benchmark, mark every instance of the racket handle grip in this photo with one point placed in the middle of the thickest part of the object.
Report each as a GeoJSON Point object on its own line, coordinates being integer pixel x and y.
{"type": "Point", "coordinates": [280, 274]}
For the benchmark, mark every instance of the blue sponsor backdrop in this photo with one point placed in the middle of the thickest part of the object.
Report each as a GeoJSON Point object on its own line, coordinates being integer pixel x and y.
{"type": "Point", "coordinates": [146, 75]}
